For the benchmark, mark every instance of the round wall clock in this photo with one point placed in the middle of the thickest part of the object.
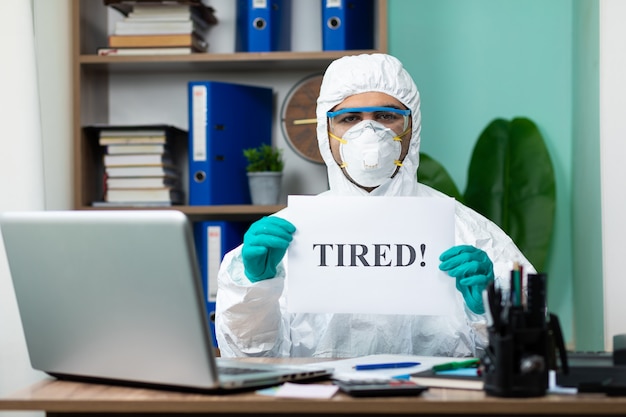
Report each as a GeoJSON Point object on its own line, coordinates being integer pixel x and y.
{"type": "Point", "coordinates": [299, 121]}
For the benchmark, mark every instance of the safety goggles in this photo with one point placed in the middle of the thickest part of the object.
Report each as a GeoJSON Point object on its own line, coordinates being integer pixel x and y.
{"type": "Point", "coordinates": [341, 121]}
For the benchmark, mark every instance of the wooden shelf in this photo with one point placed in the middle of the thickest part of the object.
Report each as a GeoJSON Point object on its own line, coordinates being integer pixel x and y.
{"type": "Point", "coordinates": [197, 213]}
{"type": "Point", "coordinates": [94, 78]}
{"type": "Point", "coordinates": [220, 62]}
{"type": "Point", "coordinates": [251, 58]}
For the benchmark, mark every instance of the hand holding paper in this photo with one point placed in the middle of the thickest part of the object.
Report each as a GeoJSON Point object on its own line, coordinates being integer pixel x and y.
{"type": "Point", "coordinates": [472, 269]}
{"type": "Point", "coordinates": [264, 245]}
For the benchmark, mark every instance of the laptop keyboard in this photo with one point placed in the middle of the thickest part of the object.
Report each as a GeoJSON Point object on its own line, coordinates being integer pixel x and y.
{"type": "Point", "coordinates": [228, 370]}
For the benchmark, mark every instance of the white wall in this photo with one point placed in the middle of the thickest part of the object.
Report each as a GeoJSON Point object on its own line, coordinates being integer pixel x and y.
{"type": "Point", "coordinates": [34, 146]}
{"type": "Point", "coordinates": [54, 72]}
{"type": "Point", "coordinates": [613, 168]}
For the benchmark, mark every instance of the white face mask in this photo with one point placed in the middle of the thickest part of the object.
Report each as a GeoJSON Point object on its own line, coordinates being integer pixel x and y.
{"type": "Point", "coordinates": [370, 152]}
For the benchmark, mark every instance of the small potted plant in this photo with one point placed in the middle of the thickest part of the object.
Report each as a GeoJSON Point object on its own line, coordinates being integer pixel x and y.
{"type": "Point", "coordinates": [265, 170]}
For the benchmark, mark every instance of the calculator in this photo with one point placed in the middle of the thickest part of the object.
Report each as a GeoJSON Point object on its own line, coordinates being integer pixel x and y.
{"type": "Point", "coordinates": [379, 387]}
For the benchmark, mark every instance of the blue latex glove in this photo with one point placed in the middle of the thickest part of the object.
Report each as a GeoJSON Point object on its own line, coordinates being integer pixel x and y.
{"type": "Point", "coordinates": [264, 245]}
{"type": "Point", "coordinates": [473, 271]}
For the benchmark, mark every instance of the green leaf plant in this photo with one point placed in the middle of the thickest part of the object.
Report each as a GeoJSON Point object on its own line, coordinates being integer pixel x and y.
{"type": "Point", "coordinates": [510, 181]}
{"type": "Point", "coordinates": [264, 158]}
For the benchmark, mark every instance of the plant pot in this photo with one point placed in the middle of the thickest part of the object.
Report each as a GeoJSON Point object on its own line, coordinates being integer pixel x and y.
{"type": "Point", "coordinates": [264, 187]}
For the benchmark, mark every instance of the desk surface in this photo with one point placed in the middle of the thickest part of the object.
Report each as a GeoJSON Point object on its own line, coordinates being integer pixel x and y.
{"type": "Point", "coordinates": [59, 397]}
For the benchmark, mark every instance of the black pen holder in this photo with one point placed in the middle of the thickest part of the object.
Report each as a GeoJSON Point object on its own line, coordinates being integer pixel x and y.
{"type": "Point", "coordinates": [516, 362]}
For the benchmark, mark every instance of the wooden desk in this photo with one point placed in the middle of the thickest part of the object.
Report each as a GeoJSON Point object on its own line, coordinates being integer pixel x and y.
{"type": "Point", "coordinates": [63, 398]}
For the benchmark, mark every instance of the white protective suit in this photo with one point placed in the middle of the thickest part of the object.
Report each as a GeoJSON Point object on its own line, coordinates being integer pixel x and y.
{"type": "Point", "coordinates": [251, 318]}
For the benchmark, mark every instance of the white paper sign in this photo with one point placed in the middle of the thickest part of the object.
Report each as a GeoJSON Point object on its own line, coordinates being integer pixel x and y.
{"type": "Point", "coordinates": [375, 255]}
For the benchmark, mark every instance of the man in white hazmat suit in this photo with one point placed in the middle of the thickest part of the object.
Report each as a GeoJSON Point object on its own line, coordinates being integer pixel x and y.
{"type": "Point", "coordinates": [368, 129]}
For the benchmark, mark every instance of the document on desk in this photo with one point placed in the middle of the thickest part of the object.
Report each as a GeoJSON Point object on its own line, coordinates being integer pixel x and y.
{"type": "Point", "coordinates": [347, 369]}
{"type": "Point", "coordinates": [376, 255]}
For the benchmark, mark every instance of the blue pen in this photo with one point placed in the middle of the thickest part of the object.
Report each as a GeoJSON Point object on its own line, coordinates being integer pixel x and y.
{"type": "Point", "coordinates": [390, 365]}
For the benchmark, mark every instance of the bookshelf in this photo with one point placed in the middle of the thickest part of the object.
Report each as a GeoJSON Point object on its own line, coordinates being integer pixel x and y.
{"type": "Point", "coordinates": [100, 81]}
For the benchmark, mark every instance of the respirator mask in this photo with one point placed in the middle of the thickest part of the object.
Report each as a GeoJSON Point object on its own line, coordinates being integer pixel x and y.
{"type": "Point", "coordinates": [369, 149]}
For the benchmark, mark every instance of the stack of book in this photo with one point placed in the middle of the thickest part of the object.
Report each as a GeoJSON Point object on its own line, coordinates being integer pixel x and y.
{"type": "Point", "coordinates": [159, 28]}
{"type": "Point", "coordinates": [139, 168]}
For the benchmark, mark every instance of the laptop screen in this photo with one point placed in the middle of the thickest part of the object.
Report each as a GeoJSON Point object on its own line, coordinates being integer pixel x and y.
{"type": "Point", "coordinates": [111, 294]}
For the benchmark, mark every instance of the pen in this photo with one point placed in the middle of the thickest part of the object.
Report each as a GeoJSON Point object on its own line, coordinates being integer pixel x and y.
{"type": "Point", "coordinates": [470, 363]}
{"type": "Point", "coordinates": [391, 365]}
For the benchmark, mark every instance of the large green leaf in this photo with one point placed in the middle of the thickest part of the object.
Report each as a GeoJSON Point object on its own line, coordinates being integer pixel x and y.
{"type": "Point", "coordinates": [432, 173]}
{"type": "Point", "coordinates": [511, 181]}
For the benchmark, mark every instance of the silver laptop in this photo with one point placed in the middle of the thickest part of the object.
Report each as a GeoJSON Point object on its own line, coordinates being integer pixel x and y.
{"type": "Point", "coordinates": [116, 297]}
